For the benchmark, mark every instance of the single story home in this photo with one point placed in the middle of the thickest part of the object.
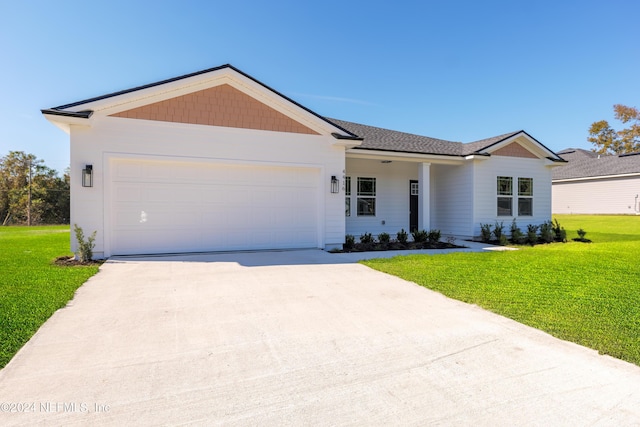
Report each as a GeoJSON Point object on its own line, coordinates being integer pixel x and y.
{"type": "Point", "coordinates": [597, 184]}
{"type": "Point", "coordinates": [217, 161]}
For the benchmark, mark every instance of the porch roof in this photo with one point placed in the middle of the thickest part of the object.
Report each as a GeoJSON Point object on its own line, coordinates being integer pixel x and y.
{"type": "Point", "coordinates": [380, 139]}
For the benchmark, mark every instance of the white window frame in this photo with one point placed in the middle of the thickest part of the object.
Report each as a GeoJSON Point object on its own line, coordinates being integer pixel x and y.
{"type": "Point", "coordinates": [368, 198]}
{"type": "Point", "coordinates": [525, 195]}
{"type": "Point", "coordinates": [504, 195]}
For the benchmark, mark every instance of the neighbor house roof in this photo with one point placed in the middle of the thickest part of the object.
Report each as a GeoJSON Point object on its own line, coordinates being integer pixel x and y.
{"type": "Point", "coordinates": [587, 164]}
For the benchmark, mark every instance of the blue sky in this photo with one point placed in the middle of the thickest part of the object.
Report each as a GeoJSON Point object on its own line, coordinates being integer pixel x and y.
{"type": "Point", "coordinates": [456, 70]}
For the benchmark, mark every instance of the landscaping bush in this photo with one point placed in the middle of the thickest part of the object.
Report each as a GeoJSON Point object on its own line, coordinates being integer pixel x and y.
{"type": "Point", "coordinates": [384, 238]}
{"type": "Point", "coordinates": [516, 234]}
{"type": "Point", "coordinates": [546, 232]}
{"type": "Point", "coordinates": [485, 232]}
{"type": "Point", "coordinates": [559, 232]}
{"type": "Point", "coordinates": [433, 236]}
{"type": "Point", "coordinates": [420, 236]}
{"type": "Point", "coordinates": [349, 242]}
{"type": "Point", "coordinates": [532, 234]}
{"type": "Point", "coordinates": [581, 238]}
{"type": "Point", "coordinates": [367, 239]}
{"type": "Point", "coordinates": [85, 247]}
{"type": "Point", "coordinates": [402, 237]}
{"type": "Point", "coordinates": [497, 231]}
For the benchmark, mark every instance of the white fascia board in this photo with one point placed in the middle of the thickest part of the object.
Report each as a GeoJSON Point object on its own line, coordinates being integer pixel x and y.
{"type": "Point", "coordinates": [595, 178]}
{"type": "Point", "coordinates": [65, 122]}
{"type": "Point", "coordinates": [477, 157]}
{"type": "Point", "coordinates": [526, 142]}
{"type": "Point", "coordinates": [405, 157]}
{"type": "Point", "coordinates": [150, 95]}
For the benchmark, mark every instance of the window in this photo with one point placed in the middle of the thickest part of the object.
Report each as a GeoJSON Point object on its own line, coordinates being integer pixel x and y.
{"type": "Point", "coordinates": [505, 196]}
{"type": "Point", "coordinates": [415, 190]}
{"type": "Point", "coordinates": [347, 198]}
{"type": "Point", "coordinates": [366, 192]}
{"type": "Point", "coordinates": [525, 196]}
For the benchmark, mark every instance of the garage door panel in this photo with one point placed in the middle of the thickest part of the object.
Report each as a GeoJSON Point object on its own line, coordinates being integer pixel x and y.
{"type": "Point", "coordinates": [161, 207]}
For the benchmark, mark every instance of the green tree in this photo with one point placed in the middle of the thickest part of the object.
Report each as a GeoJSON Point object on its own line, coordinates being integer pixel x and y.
{"type": "Point", "coordinates": [30, 192]}
{"type": "Point", "coordinates": [609, 141]}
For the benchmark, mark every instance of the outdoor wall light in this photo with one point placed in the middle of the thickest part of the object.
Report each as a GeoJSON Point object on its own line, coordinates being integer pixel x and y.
{"type": "Point", "coordinates": [334, 184]}
{"type": "Point", "coordinates": [87, 176]}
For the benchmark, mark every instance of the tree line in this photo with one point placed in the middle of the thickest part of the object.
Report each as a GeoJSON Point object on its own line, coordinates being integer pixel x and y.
{"type": "Point", "coordinates": [32, 193]}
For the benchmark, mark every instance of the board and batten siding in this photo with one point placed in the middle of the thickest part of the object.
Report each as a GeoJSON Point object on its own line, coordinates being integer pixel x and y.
{"type": "Point", "coordinates": [614, 195]}
{"type": "Point", "coordinates": [112, 138]}
{"type": "Point", "coordinates": [453, 198]}
{"type": "Point", "coordinates": [485, 173]}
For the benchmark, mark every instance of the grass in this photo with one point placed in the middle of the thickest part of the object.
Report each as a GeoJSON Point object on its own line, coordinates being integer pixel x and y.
{"type": "Point", "coordinates": [32, 287]}
{"type": "Point", "coordinates": [588, 293]}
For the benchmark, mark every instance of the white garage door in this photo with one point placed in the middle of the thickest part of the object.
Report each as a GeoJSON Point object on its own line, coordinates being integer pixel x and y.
{"type": "Point", "coordinates": [170, 207]}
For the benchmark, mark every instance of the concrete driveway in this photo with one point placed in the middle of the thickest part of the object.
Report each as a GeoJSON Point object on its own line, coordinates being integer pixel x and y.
{"type": "Point", "coordinates": [292, 338]}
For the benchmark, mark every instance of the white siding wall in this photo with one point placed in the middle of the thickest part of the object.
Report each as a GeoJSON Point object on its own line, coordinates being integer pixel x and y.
{"type": "Point", "coordinates": [453, 198]}
{"type": "Point", "coordinates": [111, 138]}
{"type": "Point", "coordinates": [392, 203]}
{"type": "Point", "coordinates": [485, 176]}
{"type": "Point", "coordinates": [599, 196]}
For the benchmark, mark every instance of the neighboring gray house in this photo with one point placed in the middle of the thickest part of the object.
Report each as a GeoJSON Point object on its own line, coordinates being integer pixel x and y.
{"type": "Point", "coordinates": [596, 184]}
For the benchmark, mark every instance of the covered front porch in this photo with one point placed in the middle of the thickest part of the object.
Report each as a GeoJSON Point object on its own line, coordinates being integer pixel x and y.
{"type": "Point", "coordinates": [386, 194]}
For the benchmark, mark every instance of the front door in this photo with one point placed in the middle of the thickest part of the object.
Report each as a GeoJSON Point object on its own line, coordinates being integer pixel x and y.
{"type": "Point", "coordinates": [413, 205]}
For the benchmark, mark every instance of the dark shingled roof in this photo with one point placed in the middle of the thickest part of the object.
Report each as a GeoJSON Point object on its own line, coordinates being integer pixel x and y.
{"type": "Point", "coordinates": [376, 138]}
{"type": "Point", "coordinates": [586, 164]}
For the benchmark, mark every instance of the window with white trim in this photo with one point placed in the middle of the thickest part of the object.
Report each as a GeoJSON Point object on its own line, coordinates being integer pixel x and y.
{"type": "Point", "coordinates": [366, 192]}
{"type": "Point", "coordinates": [525, 196]}
{"type": "Point", "coordinates": [505, 196]}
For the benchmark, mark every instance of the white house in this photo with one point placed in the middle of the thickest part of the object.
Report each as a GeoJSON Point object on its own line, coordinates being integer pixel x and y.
{"type": "Point", "coordinates": [216, 160]}
{"type": "Point", "coordinates": [597, 184]}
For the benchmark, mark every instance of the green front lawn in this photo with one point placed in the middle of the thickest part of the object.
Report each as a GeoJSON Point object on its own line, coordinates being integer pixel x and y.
{"type": "Point", "coordinates": [585, 293]}
{"type": "Point", "coordinates": [32, 288]}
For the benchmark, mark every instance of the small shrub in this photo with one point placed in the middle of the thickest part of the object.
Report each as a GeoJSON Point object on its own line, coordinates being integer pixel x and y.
{"type": "Point", "coordinates": [503, 241]}
{"type": "Point", "coordinates": [402, 237]}
{"type": "Point", "coordinates": [516, 234]}
{"type": "Point", "coordinates": [349, 242]}
{"type": "Point", "coordinates": [497, 230]}
{"type": "Point", "coordinates": [560, 234]}
{"type": "Point", "coordinates": [367, 238]}
{"type": "Point", "coordinates": [581, 233]}
{"type": "Point", "coordinates": [433, 236]}
{"type": "Point", "coordinates": [384, 238]}
{"type": "Point", "coordinates": [85, 247]}
{"type": "Point", "coordinates": [485, 232]}
{"type": "Point", "coordinates": [420, 236]}
{"type": "Point", "coordinates": [581, 238]}
{"type": "Point", "coordinates": [532, 234]}
{"type": "Point", "coordinates": [546, 232]}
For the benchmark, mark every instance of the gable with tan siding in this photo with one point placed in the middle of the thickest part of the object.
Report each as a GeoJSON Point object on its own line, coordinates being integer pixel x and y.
{"type": "Point", "coordinates": [222, 105]}
{"type": "Point", "coordinates": [514, 150]}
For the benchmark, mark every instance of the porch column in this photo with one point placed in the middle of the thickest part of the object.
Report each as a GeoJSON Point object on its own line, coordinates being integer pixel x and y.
{"type": "Point", "coordinates": [424, 196]}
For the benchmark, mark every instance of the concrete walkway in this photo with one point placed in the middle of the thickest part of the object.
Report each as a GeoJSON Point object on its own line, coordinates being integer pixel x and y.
{"type": "Point", "coordinates": [297, 338]}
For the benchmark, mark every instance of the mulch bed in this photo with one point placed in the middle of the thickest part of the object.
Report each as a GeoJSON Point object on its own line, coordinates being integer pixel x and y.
{"type": "Point", "coordinates": [69, 261]}
{"type": "Point", "coordinates": [396, 246]}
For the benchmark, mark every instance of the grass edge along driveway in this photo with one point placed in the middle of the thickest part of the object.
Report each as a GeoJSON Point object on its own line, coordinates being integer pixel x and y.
{"type": "Point", "coordinates": [585, 293]}
{"type": "Point", "coordinates": [32, 287]}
